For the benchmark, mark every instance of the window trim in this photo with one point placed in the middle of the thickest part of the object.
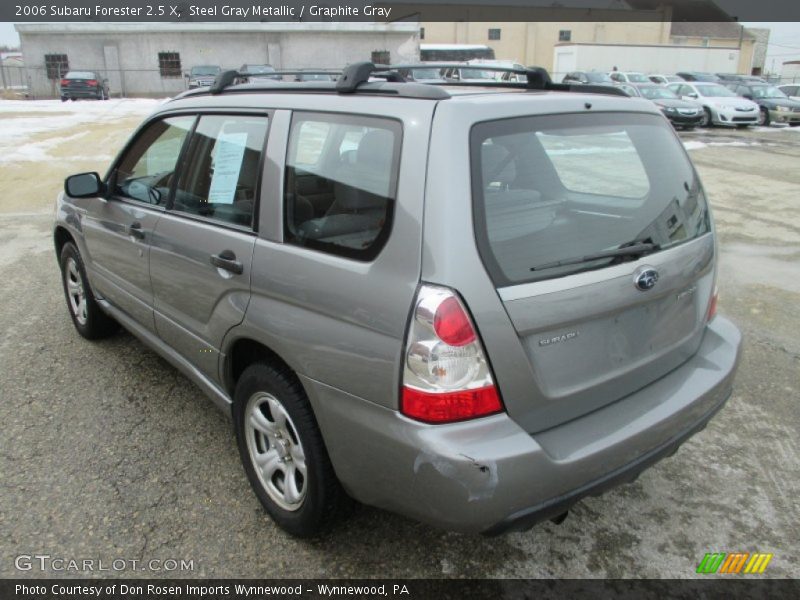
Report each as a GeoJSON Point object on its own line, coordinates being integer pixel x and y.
{"type": "Point", "coordinates": [374, 251]}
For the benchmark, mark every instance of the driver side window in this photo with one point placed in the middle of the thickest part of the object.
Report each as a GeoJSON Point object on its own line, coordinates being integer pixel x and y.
{"type": "Point", "coordinates": [146, 171]}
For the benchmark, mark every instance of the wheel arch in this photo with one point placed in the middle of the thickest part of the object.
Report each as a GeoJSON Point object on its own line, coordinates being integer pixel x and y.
{"type": "Point", "coordinates": [245, 351]}
{"type": "Point", "coordinates": [61, 236]}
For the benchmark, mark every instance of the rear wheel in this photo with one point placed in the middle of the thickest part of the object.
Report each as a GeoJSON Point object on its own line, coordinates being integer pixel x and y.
{"type": "Point", "coordinates": [282, 451]}
{"type": "Point", "coordinates": [64, 98]}
{"type": "Point", "coordinates": [763, 117]}
{"type": "Point", "coordinates": [87, 316]}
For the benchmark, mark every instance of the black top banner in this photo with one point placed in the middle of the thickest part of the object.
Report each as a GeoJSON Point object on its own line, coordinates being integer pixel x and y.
{"type": "Point", "coordinates": [383, 11]}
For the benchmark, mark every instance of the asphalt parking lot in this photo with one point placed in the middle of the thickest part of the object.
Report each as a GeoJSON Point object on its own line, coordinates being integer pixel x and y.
{"type": "Point", "coordinates": [109, 453]}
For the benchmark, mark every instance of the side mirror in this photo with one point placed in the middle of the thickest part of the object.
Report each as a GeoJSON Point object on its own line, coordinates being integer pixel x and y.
{"type": "Point", "coordinates": [693, 95]}
{"type": "Point", "coordinates": [83, 185]}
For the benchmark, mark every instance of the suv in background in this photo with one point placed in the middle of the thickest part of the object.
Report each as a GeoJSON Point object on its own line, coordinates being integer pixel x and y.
{"type": "Point", "coordinates": [470, 306]}
{"type": "Point", "coordinates": [775, 106]}
{"type": "Point", "coordinates": [83, 84]}
{"type": "Point", "coordinates": [202, 75]}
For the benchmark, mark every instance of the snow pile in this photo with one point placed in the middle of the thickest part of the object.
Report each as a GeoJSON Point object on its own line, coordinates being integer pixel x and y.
{"type": "Point", "coordinates": [47, 116]}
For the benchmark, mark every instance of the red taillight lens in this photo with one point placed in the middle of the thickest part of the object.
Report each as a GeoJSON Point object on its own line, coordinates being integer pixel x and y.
{"type": "Point", "coordinates": [445, 407]}
{"type": "Point", "coordinates": [446, 375]}
{"type": "Point", "coordinates": [452, 324]}
{"type": "Point", "coordinates": [712, 306]}
{"type": "Point", "coordinates": [64, 82]}
{"type": "Point", "coordinates": [92, 82]}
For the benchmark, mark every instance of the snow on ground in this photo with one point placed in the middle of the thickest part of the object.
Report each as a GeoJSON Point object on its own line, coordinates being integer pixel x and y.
{"type": "Point", "coordinates": [17, 132]}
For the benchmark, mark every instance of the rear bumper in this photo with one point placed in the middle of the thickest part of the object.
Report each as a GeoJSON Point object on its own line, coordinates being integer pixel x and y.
{"type": "Point", "coordinates": [491, 476]}
{"type": "Point", "coordinates": [83, 93]}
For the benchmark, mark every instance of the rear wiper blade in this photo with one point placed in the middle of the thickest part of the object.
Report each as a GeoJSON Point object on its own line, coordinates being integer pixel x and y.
{"type": "Point", "coordinates": [634, 251]}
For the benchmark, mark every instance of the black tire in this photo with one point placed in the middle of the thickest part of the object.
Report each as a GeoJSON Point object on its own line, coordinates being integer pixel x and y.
{"type": "Point", "coordinates": [96, 324]}
{"type": "Point", "coordinates": [324, 498]}
{"type": "Point", "coordinates": [64, 98]}
{"type": "Point", "coordinates": [689, 128]}
{"type": "Point", "coordinates": [707, 119]}
{"type": "Point", "coordinates": [764, 120]}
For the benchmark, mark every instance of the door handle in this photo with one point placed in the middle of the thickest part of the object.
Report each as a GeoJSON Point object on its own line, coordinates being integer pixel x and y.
{"type": "Point", "coordinates": [227, 260]}
{"type": "Point", "coordinates": [135, 230]}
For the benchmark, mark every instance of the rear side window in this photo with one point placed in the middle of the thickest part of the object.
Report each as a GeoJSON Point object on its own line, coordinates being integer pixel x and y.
{"type": "Point", "coordinates": [550, 191]}
{"type": "Point", "coordinates": [219, 179]}
{"type": "Point", "coordinates": [341, 183]}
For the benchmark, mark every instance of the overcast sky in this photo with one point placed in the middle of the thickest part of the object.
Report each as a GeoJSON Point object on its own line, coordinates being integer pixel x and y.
{"type": "Point", "coordinates": [784, 41]}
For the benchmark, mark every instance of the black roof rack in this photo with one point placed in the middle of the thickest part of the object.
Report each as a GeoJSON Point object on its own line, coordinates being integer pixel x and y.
{"type": "Point", "coordinates": [356, 78]}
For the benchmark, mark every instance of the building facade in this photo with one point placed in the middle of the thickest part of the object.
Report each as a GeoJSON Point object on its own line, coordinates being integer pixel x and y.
{"type": "Point", "coordinates": [533, 43]}
{"type": "Point", "coordinates": [151, 59]}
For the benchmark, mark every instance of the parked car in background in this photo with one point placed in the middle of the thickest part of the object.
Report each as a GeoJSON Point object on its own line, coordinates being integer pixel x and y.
{"type": "Point", "coordinates": [664, 79]}
{"type": "Point", "coordinates": [628, 77]}
{"type": "Point", "coordinates": [260, 72]}
{"type": "Point", "coordinates": [202, 75]}
{"type": "Point", "coordinates": [315, 76]}
{"type": "Point", "coordinates": [423, 75]}
{"type": "Point", "coordinates": [83, 84]}
{"type": "Point", "coordinates": [720, 105]}
{"type": "Point", "coordinates": [792, 90]}
{"type": "Point", "coordinates": [686, 114]}
{"type": "Point", "coordinates": [593, 77]}
{"type": "Point", "coordinates": [479, 70]}
{"type": "Point", "coordinates": [775, 106]}
{"type": "Point", "coordinates": [697, 76]}
{"type": "Point", "coordinates": [629, 89]}
{"type": "Point", "coordinates": [726, 77]}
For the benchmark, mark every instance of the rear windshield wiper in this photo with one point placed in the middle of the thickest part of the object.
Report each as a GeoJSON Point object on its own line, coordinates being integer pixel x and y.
{"type": "Point", "coordinates": [634, 250]}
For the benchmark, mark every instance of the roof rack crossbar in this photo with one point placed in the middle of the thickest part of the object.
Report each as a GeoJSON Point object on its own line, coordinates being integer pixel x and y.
{"type": "Point", "coordinates": [357, 74]}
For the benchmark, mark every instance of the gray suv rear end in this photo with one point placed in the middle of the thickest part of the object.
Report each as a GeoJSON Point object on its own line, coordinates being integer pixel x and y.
{"type": "Point", "coordinates": [470, 306]}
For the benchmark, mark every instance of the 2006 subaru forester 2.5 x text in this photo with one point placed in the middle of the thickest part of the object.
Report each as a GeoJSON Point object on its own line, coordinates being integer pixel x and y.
{"type": "Point", "coordinates": [469, 304]}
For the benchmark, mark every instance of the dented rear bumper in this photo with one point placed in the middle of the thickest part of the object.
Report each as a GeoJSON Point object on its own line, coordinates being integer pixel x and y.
{"type": "Point", "coordinates": [491, 476]}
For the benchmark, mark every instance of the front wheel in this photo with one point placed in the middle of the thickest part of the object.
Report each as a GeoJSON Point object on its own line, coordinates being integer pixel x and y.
{"type": "Point", "coordinates": [282, 451]}
{"type": "Point", "coordinates": [707, 120]}
{"type": "Point", "coordinates": [763, 117]}
{"type": "Point", "coordinates": [87, 316]}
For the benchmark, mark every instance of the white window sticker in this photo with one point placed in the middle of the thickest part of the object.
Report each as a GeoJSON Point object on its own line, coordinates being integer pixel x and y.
{"type": "Point", "coordinates": [228, 155]}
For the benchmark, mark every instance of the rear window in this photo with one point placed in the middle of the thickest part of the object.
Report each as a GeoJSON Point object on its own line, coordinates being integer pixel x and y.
{"type": "Point", "coordinates": [558, 189]}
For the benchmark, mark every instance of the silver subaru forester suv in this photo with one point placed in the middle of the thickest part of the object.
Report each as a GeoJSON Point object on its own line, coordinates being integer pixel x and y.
{"type": "Point", "coordinates": [472, 304]}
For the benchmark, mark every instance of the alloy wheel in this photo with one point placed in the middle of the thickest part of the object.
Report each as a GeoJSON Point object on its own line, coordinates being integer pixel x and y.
{"type": "Point", "coordinates": [276, 451]}
{"type": "Point", "coordinates": [76, 292]}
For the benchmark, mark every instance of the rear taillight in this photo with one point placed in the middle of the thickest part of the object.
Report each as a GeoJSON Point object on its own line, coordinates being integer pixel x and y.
{"type": "Point", "coordinates": [64, 82]}
{"type": "Point", "coordinates": [712, 305]}
{"type": "Point", "coordinates": [446, 376]}
{"type": "Point", "coordinates": [92, 82]}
